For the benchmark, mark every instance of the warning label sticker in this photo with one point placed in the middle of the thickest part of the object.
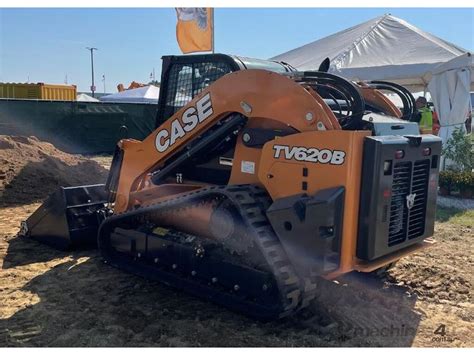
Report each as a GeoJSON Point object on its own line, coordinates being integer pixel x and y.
{"type": "Point", "coordinates": [248, 167]}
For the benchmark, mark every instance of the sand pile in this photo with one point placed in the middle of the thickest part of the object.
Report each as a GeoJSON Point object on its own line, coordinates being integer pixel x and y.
{"type": "Point", "coordinates": [30, 170]}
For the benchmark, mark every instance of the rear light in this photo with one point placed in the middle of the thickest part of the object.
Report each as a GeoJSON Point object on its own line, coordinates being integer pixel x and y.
{"type": "Point", "coordinates": [426, 151]}
{"type": "Point", "coordinates": [399, 154]}
{"type": "Point", "coordinates": [387, 167]}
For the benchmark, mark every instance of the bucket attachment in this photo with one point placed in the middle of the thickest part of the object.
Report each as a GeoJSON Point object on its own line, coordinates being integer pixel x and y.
{"type": "Point", "coordinates": [69, 218]}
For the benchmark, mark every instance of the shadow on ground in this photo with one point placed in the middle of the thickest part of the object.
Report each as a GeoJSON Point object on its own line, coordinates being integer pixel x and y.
{"type": "Point", "coordinates": [21, 252]}
{"type": "Point", "coordinates": [83, 302]}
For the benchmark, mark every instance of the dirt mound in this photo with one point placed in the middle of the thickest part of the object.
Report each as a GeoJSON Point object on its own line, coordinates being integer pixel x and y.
{"type": "Point", "coordinates": [31, 169]}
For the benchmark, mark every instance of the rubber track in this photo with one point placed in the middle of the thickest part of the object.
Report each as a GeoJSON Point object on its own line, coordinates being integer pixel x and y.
{"type": "Point", "coordinates": [251, 202]}
{"type": "Point", "coordinates": [307, 283]}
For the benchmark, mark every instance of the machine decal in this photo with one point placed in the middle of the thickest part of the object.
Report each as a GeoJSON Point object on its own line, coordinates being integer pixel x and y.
{"type": "Point", "coordinates": [312, 155]}
{"type": "Point", "coordinates": [190, 119]}
{"type": "Point", "coordinates": [410, 201]}
{"type": "Point", "coordinates": [248, 167]}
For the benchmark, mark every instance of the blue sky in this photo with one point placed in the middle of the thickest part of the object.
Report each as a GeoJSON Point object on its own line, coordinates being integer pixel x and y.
{"type": "Point", "coordinates": [45, 45]}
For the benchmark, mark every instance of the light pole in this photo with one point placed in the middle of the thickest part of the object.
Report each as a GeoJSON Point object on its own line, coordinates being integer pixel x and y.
{"type": "Point", "coordinates": [92, 49]}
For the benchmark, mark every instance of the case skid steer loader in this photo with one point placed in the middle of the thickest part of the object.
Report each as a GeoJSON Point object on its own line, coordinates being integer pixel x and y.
{"type": "Point", "coordinates": [258, 181]}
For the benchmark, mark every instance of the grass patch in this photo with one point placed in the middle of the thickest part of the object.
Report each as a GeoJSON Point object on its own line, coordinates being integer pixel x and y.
{"type": "Point", "coordinates": [453, 215]}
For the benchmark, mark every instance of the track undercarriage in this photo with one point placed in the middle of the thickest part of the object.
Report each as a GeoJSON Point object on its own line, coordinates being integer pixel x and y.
{"type": "Point", "coordinates": [244, 267]}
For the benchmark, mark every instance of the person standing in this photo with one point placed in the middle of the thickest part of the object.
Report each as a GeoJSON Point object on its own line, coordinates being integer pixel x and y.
{"type": "Point", "coordinates": [425, 115]}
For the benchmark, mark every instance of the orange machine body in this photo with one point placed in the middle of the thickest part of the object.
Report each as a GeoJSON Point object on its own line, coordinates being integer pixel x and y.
{"type": "Point", "coordinates": [317, 155]}
{"type": "Point", "coordinates": [328, 159]}
{"type": "Point", "coordinates": [377, 99]}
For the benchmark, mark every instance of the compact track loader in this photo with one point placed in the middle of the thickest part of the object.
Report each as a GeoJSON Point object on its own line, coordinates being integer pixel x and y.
{"type": "Point", "coordinates": [258, 181]}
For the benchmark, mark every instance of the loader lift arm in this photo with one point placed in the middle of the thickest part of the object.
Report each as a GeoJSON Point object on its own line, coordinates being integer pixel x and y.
{"type": "Point", "coordinates": [251, 93]}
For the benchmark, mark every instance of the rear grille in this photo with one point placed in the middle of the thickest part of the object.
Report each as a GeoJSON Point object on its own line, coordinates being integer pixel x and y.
{"type": "Point", "coordinates": [416, 221]}
{"type": "Point", "coordinates": [408, 178]}
{"type": "Point", "coordinates": [397, 229]}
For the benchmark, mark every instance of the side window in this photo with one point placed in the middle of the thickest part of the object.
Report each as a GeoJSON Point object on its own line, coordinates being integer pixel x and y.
{"type": "Point", "coordinates": [187, 80]}
{"type": "Point", "coordinates": [184, 88]}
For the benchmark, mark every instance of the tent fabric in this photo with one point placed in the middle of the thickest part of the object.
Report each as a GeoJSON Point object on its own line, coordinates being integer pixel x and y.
{"type": "Point", "coordinates": [86, 98]}
{"type": "Point", "coordinates": [449, 88]}
{"type": "Point", "coordinates": [385, 48]}
{"type": "Point", "coordinates": [145, 94]}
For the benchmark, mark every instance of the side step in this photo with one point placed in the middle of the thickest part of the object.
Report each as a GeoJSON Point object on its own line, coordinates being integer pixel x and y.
{"type": "Point", "coordinates": [69, 218]}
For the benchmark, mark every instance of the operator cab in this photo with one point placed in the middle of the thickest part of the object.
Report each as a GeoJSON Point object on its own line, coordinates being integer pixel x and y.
{"type": "Point", "coordinates": [184, 77]}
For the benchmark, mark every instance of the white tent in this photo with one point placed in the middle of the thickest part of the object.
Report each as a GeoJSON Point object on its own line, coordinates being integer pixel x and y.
{"type": "Point", "coordinates": [146, 94]}
{"type": "Point", "coordinates": [449, 87]}
{"type": "Point", "coordinates": [382, 48]}
{"type": "Point", "coordinates": [389, 48]}
{"type": "Point", "coordinates": [85, 98]}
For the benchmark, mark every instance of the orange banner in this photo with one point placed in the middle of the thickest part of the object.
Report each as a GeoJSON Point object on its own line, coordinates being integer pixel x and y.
{"type": "Point", "coordinates": [194, 30]}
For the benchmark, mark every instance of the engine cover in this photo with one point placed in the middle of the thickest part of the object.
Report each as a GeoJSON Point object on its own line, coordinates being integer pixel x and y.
{"type": "Point", "coordinates": [398, 193]}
